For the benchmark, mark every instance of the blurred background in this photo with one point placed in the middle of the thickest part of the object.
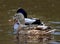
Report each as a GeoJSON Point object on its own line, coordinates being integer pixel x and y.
{"type": "Point", "coordinates": [47, 10]}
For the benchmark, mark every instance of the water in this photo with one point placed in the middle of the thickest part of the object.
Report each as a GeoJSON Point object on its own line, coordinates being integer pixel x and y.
{"type": "Point", "coordinates": [46, 10]}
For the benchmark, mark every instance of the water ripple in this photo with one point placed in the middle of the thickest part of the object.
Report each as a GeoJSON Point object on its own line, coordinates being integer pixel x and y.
{"type": "Point", "coordinates": [54, 43]}
{"type": "Point", "coordinates": [56, 33]}
{"type": "Point", "coordinates": [57, 27]}
{"type": "Point", "coordinates": [55, 22]}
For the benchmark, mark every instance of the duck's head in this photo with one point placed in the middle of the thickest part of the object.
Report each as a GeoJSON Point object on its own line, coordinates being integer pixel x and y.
{"type": "Point", "coordinates": [21, 10]}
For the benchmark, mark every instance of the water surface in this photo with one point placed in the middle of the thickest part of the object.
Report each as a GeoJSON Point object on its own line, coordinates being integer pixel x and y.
{"type": "Point", "coordinates": [46, 10]}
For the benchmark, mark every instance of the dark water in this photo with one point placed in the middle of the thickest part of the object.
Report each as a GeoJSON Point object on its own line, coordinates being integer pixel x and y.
{"type": "Point", "coordinates": [47, 10]}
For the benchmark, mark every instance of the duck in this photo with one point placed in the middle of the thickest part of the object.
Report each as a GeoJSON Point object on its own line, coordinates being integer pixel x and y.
{"type": "Point", "coordinates": [28, 20]}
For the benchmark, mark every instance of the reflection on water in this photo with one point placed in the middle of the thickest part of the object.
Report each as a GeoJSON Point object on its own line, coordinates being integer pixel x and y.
{"type": "Point", "coordinates": [57, 27]}
{"type": "Point", "coordinates": [35, 39]}
{"type": "Point", "coordinates": [46, 10]}
{"type": "Point", "coordinates": [57, 33]}
{"type": "Point", "coordinates": [54, 43]}
{"type": "Point", "coordinates": [55, 22]}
